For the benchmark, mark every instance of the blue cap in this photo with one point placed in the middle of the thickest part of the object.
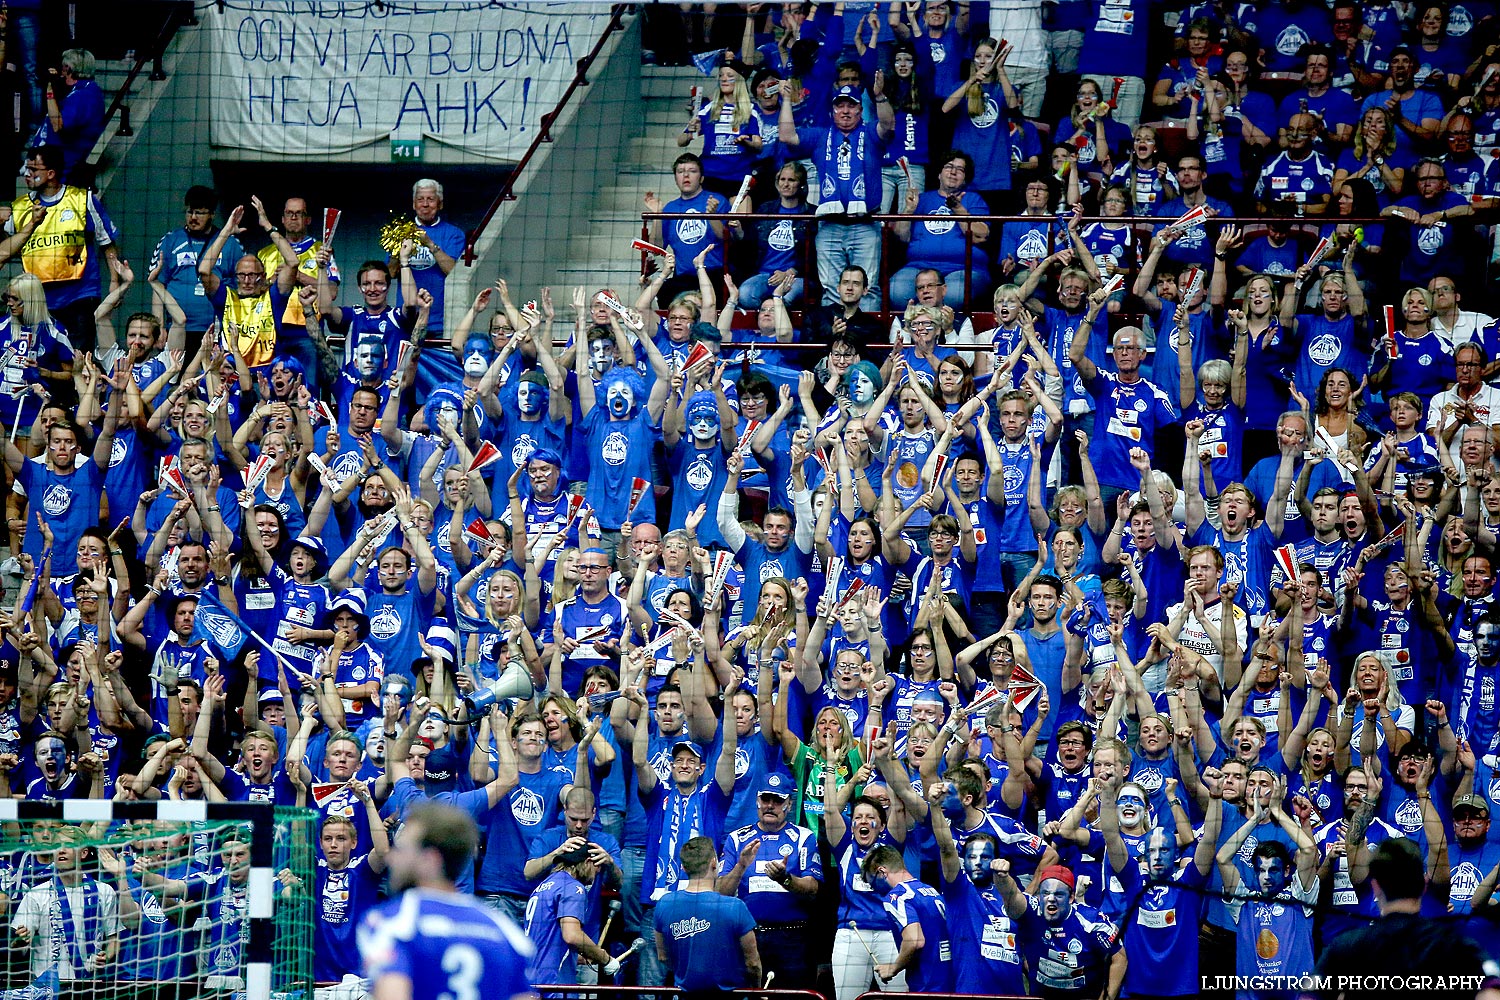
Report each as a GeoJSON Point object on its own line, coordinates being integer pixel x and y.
{"type": "Point", "coordinates": [848, 93]}
{"type": "Point", "coordinates": [688, 744]}
{"type": "Point", "coordinates": [776, 784]}
{"type": "Point", "coordinates": [313, 545]}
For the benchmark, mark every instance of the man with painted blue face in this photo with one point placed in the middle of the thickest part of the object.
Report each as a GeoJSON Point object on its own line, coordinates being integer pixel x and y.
{"type": "Point", "coordinates": [366, 370]}
{"type": "Point", "coordinates": [59, 779]}
{"type": "Point", "coordinates": [619, 437]}
{"type": "Point", "coordinates": [1165, 898]}
{"type": "Point", "coordinates": [918, 920]}
{"type": "Point", "coordinates": [1273, 911]}
{"type": "Point", "coordinates": [1477, 684]}
{"type": "Point", "coordinates": [985, 941]}
{"type": "Point", "coordinates": [1073, 950]}
{"type": "Point", "coordinates": [534, 416]}
{"type": "Point", "coordinates": [696, 459]}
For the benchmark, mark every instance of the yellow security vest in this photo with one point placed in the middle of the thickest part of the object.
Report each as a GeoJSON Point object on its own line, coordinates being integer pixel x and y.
{"type": "Point", "coordinates": [249, 328]}
{"type": "Point", "coordinates": [270, 257]}
{"type": "Point", "coordinates": [58, 249]}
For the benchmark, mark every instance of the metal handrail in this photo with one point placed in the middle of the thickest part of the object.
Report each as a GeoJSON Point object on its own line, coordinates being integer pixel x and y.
{"type": "Point", "coordinates": [544, 132]}
{"type": "Point", "coordinates": [1297, 222]}
{"type": "Point", "coordinates": [174, 20]}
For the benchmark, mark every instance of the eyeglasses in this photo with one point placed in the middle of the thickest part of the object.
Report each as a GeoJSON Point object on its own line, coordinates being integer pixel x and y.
{"type": "Point", "coordinates": [922, 649]}
{"type": "Point", "coordinates": [591, 568]}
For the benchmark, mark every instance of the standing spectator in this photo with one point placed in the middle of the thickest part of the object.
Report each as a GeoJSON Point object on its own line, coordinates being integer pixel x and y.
{"type": "Point", "coordinates": [174, 265]}
{"type": "Point", "coordinates": [778, 885]}
{"type": "Point", "coordinates": [919, 920]}
{"type": "Point", "coordinates": [1273, 912]}
{"type": "Point", "coordinates": [1019, 22]}
{"type": "Point", "coordinates": [697, 929]}
{"type": "Point", "coordinates": [1063, 942]}
{"type": "Point", "coordinates": [1114, 55]}
{"type": "Point", "coordinates": [45, 923]}
{"type": "Point", "coordinates": [294, 340]}
{"type": "Point", "coordinates": [25, 16]}
{"type": "Point", "coordinates": [985, 104]}
{"type": "Point", "coordinates": [63, 251]}
{"type": "Point", "coordinates": [555, 918]}
{"type": "Point", "coordinates": [439, 245]}
{"type": "Point", "coordinates": [847, 156]}
{"type": "Point", "coordinates": [250, 313]}
{"type": "Point", "coordinates": [75, 117]}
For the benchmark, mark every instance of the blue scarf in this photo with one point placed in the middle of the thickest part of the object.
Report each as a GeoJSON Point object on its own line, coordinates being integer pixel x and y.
{"type": "Point", "coordinates": [849, 172]}
{"type": "Point", "coordinates": [63, 926]}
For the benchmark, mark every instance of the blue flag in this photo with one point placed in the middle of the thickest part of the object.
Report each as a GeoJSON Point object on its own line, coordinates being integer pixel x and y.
{"type": "Point", "coordinates": [44, 987]}
{"type": "Point", "coordinates": [219, 626]}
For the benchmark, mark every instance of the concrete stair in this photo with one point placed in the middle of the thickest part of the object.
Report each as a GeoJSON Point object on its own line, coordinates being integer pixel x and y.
{"type": "Point", "coordinates": [601, 255]}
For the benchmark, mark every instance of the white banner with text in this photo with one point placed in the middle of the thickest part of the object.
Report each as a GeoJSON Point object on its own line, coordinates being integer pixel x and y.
{"type": "Point", "coordinates": [323, 77]}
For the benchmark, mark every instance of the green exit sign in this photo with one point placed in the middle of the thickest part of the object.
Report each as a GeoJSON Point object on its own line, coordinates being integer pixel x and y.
{"type": "Point", "coordinates": [406, 150]}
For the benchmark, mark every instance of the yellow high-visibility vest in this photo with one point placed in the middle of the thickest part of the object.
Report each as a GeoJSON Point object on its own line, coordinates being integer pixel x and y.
{"type": "Point", "coordinates": [58, 249]}
{"type": "Point", "coordinates": [250, 328]}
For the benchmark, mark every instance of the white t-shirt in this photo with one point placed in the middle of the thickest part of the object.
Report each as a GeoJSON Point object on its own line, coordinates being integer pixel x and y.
{"type": "Point", "coordinates": [36, 912]}
{"type": "Point", "coordinates": [1201, 638]}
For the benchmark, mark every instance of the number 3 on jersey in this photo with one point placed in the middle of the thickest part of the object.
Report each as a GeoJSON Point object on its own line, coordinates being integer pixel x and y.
{"type": "Point", "coordinates": [464, 966]}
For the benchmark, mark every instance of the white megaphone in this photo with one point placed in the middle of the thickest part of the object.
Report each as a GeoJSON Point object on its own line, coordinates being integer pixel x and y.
{"type": "Point", "coordinates": [515, 682]}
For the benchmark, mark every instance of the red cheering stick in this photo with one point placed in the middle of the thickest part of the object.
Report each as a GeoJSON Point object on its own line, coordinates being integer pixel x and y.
{"type": "Point", "coordinates": [744, 442]}
{"type": "Point", "coordinates": [695, 93]}
{"type": "Point", "coordinates": [1391, 349]}
{"type": "Point", "coordinates": [592, 634]}
{"type": "Point", "coordinates": [906, 170]}
{"type": "Point", "coordinates": [1286, 558]}
{"type": "Point", "coordinates": [723, 560]}
{"type": "Point", "coordinates": [163, 467]}
{"type": "Point", "coordinates": [821, 455]}
{"type": "Point", "coordinates": [645, 247]}
{"type": "Point", "coordinates": [696, 356]}
{"type": "Point", "coordinates": [745, 186]}
{"type": "Point", "coordinates": [872, 731]}
{"type": "Point", "coordinates": [1114, 95]}
{"type": "Point", "coordinates": [617, 307]}
{"type": "Point", "coordinates": [1114, 284]}
{"type": "Point", "coordinates": [637, 490]}
{"type": "Point", "coordinates": [478, 531]}
{"type": "Point", "coordinates": [661, 642]}
{"type": "Point", "coordinates": [575, 504]}
{"type": "Point", "coordinates": [175, 482]}
{"type": "Point", "coordinates": [984, 701]}
{"type": "Point", "coordinates": [937, 469]}
{"type": "Point", "coordinates": [1391, 537]}
{"type": "Point", "coordinates": [255, 473]}
{"type": "Point", "coordinates": [325, 411]}
{"type": "Point", "coordinates": [673, 618]}
{"type": "Point", "coordinates": [1322, 251]}
{"type": "Point", "coordinates": [854, 588]}
{"type": "Point", "coordinates": [487, 456]}
{"type": "Point", "coordinates": [1192, 217]}
{"type": "Point", "coordinates": [1194, 284]}
{"type": "Point", "coordinates": [322, 791]}
{"type": "Point", "coordinates": [331, 218]}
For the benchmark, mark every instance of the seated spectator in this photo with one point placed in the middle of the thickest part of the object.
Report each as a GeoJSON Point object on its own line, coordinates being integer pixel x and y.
{"type": "Point", "coordinates": [951, 247]}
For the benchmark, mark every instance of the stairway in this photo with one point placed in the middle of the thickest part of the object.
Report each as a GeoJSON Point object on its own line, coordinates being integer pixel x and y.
{"type": "Point", "coordinates": [601, 256]}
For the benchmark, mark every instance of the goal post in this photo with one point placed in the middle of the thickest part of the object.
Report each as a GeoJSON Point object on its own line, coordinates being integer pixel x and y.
{"type": "Point", "coordinates": [168, 900]}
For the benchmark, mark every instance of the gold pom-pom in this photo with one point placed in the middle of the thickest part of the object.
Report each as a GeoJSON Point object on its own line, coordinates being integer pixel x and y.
{"type": "Point", "coordinates": [396, 232]}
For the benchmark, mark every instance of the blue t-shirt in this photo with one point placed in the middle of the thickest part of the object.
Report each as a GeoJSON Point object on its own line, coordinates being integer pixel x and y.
{"type": "Point", "coordinates": [913, 902]}
{"type": "Point", "coordinates": [340, 900]}
{"type": "Point", "coordinates": [703, 932]}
